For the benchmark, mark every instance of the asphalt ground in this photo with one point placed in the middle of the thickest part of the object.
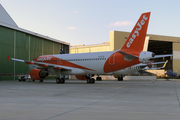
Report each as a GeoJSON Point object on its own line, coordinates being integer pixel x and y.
{"type": "Point", "coordinates": [76, 100]}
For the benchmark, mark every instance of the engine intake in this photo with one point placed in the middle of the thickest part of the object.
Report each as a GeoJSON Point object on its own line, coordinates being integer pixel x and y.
{"type": "Point", "coordinates": [145, 55]}
{"type": "Point", "coordinates": [38, 74]}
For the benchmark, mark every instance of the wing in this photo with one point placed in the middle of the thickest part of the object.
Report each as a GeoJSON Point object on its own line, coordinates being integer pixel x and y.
{"type": "Point", "coordinates": [41, 64]}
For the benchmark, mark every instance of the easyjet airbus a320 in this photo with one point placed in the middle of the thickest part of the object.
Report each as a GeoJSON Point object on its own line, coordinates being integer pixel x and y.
{"type": "Point", "coordinates": [84, 65]}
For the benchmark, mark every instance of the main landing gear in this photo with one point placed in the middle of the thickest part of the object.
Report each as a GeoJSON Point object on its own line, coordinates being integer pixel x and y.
{"type": "Point", "coordinates": [60, 80]}
{"type": "Point", "coordinates": [98, 78]}
{"type": "Point", "coordinates": [120, 78]}
{"type": "Point", "coordinates": [90, 79]}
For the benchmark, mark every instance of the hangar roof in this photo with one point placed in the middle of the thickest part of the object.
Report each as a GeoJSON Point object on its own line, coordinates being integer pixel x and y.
{"type": "Point", "coordinates": [7, 21]}
{"type": "Point", "coordinates": [6, 18]}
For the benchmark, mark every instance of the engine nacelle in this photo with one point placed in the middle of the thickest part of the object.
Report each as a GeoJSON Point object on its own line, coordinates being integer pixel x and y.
{"type": "Point", "coordinates": [81, 77]}
{"type": "Point", "coordinates": [38, 74]}
{"type": "Point", "coordinates": [144, 56]}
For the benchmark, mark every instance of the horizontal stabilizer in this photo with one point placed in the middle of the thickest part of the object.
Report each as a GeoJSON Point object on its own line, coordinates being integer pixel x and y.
{"type": "Point", "coordinates": [128, 56]}
{"type": "Point", "coordinates": [160, 56]}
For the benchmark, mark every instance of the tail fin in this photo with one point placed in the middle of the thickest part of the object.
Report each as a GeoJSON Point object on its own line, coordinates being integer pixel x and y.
{"type": "Point", "coordinates": [165, 64]}
{"type": "Point", "coordinates": [136, 39]}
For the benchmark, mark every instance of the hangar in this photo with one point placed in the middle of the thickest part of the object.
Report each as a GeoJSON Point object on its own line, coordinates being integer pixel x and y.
{"type": "Point", "coordinates": [22, 44]}
{"type": "Point", "coordinates": [158, 44]}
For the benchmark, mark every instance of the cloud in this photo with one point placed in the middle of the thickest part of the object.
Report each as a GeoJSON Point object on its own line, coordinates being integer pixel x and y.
{"type": "Point", "coordinates": [118, 23]}
{"type": "Point", "coordinates": [72, 28]}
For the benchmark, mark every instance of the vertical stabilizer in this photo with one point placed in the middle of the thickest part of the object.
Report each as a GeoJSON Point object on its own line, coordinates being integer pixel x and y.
{"type": "Point", "coordinates": [136, 39]}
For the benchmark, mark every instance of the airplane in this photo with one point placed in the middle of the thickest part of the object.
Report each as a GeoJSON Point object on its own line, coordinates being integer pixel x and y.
{"type": "Point", "coordinates": [85, 65]}
{"type": "Point", "coordinates": [137, 68]}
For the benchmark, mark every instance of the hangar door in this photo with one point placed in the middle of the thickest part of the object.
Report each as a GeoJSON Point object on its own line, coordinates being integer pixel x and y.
{"type": "Point", "coordinates": [161, 48]}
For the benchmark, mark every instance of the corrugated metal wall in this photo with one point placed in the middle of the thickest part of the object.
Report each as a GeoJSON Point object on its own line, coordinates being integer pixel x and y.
{"type": "Point", "coordinates": [21, 51]}
{"type": "Point", "coordinates": [22, 46]}
{"type": "Point", "coordinates": [6, 48]}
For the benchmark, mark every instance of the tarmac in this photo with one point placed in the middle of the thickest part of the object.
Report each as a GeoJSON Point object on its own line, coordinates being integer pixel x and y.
{"type": "Point", "coordinates": [76, 100]}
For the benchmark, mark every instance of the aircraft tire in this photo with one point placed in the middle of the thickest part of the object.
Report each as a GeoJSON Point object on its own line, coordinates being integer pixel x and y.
{"type": "Point", "coordinates": [62, 80]}
{"type": "Point", "coordinates": [58, 80]}
{"type": "Point", "coordinates": [88, 80]}
{"type": "Point", "coordinates": [98, 78]}
{"type": "Point", "coordinates": [92, 80]}
{"type": "Point", "coordinates": [41, 81]}
{"type": "Point", "coordinates": [120, 78]}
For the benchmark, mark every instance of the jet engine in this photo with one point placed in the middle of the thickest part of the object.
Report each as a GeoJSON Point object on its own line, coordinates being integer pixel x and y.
{"type": "Point", "coordinates": [145, 55]}
{"type": "Point", "coordinates": [81, 77]}
{"type": "Point", "coordinates": [38, 74]}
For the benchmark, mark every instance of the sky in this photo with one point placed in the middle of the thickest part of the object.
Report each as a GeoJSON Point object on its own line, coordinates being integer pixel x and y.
{"type": "Point", "coordinates": [90, 21]}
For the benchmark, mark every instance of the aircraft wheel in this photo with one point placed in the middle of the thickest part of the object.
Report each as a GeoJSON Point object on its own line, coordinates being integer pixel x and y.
{"type": "Point", "coordinates": [58, 80]}
{"type": "Point", "coordinates": [120, 78]}
{"type": "Point", "coordinates": [98, 78]}
{"type": "Point", "coordinates": [62, 80]}
{"type": "Point", "coordinates": [33, 80]}
{"type": "Point", "coordinates": [92, 80]}
{"type": "Point", "coordinates": [41, 81]}
{"type": "Point", "coordinates": [88, 80]}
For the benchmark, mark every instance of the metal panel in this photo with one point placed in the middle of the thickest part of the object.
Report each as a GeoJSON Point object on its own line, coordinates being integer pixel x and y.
{"type": "Point", "coordinates": [47, 47]}
{"type": "Point", "coordinates": [6, 48]}
{"type": "Point", "coordinates": [35, 47]}
{"type": "Point", "coordinates": [57, 48]}
{"type": "Point", "coordinates": [21, 51]}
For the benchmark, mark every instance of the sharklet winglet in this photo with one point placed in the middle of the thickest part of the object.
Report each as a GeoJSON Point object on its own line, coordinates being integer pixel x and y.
{"type": "Point", "coordinates": [8, 57]}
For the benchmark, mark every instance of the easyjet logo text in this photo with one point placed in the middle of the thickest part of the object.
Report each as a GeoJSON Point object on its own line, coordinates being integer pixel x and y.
{"type": "Point", "coordinates": [136, 32]}
{"type": "Point", "coordinates": [44, 58]}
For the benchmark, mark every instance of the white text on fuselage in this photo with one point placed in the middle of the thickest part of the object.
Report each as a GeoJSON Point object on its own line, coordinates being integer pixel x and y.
{"type": "Point", "coordinates": [136, 32]}
{"type": "Point", "coordinates": [44, 58]}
